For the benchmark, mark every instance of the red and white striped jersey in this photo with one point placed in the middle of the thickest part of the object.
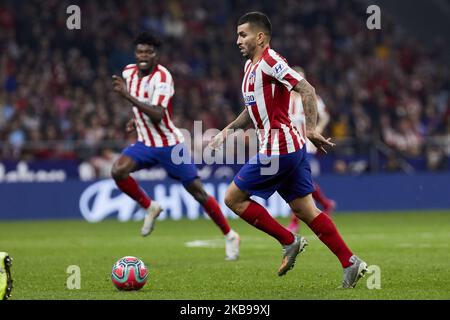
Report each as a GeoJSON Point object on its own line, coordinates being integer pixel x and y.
{"type": "Point", "coordinates": [297, 114]}
{"type": "Point", "coordinates": [154, 89]}
{"type": "Point", "coordinates": [266, 89]}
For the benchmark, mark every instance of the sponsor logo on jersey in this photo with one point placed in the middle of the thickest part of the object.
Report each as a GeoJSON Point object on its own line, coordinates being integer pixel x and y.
{"type": "Point", "coordinates": [250, 99]}
{"type": "Point", "coordinates": [280, 69]}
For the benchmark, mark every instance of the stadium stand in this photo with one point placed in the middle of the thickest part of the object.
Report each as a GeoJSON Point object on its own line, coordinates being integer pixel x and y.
{"type": "Point", "coordinates": [386, 92]}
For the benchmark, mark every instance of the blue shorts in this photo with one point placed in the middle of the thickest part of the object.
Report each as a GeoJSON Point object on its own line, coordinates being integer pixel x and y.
{"type": "Point", "coordinates": [292, 179]}
{"type": "Point", "coordinates": [180, 167]}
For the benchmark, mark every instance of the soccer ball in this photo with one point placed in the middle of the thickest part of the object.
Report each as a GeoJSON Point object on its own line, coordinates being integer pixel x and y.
{"type": "Point", "coordinates": [129, 273]}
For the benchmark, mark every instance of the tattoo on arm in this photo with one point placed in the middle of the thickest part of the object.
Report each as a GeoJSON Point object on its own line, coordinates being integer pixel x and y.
{"type": "Point", "coordinates": [241, 122]}
{"type": "Point", "coordinates": [309, 101]}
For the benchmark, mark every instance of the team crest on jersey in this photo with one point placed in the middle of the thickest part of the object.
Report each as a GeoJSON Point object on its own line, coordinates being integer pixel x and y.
{"type": "Point", "coordinates": [252, 77]}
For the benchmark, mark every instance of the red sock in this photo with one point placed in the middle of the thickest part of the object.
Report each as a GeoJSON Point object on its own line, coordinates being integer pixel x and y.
{"type": "Point", "coordinates": [325, 229]}
{"type": "Point", "coordinates": [256, 215]}
{"type": "Point", "coordinates": [212, 208]}
{"type": "Point", "coordinates": [319, 196]}
{"type": "Point", "coordinates": [131, 188]}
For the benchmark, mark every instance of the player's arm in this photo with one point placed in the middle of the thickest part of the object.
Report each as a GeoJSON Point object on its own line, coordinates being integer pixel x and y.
{"type": "Point", "coordinates": [154, 112]}
{"type": "Point", "coordinates": [309, 100]}
{"type": "Point", "coordinates": [241, 122]}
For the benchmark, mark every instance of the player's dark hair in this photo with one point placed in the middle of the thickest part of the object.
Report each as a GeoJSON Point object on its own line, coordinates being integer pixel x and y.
{"type": "Point", "coordinates": [146, 37]}
{"type": "Point", "coordinates": [257, 19]}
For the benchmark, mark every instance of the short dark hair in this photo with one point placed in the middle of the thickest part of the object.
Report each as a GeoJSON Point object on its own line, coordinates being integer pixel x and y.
{"type": "Point", "coordinates": [258, 19]}
{"type": "Point", "coordinates": [146, 37]}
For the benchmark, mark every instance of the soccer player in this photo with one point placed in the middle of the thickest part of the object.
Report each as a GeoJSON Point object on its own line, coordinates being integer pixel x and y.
{"type": "Point", "coordinates": [266, 87]}
{"type": "Point", "coordinates": [149, 88]}
{"type": "Point", "coordinates": [297, 115]}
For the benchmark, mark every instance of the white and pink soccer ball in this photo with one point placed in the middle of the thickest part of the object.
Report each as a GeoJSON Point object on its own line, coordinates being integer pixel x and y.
{"type": "Point", "coordinates": [129, 273]}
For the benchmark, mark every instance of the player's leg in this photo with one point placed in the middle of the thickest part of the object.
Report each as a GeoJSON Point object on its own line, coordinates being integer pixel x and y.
{"type": "Point", "coordinates": [212, 208]}
{"type": "Point", "coordinates": [327, 204]}
{"type": "Point", "coordinates": [132, 158]}
{"type": "Point", "coordinates": [253, 180]}
{"type": "Point", "coordinates": [256, 215]}
{"type": "Point", "coordinates": [326, 231]}
{"type": "Point", "coordinates": [120, 172]}
{"type": "Point", "coordinates": [186, 172]}
{"type": "Point", "coordinates": [209, 204]}
{"type": "Point", "coordinates": [296, 191]}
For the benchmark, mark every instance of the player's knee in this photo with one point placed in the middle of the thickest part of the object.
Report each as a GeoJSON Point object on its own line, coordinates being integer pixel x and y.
{"type": "Point", "coordinates": [230, 201]}
{"type": "Point", "coordinates": [307, 214]}
{"type": "Point", "coordinates": [196, 190]}
{"type": "Point", "coordinates": [119, 172]}
{"type": "Point", "coordinates": [200, 195]}
{"type": "Point", "coordinates": [298, 213]}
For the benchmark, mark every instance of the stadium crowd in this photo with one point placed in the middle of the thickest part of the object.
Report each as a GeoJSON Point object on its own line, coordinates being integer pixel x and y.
{"type": "Point", "coordinates": [56, 98]}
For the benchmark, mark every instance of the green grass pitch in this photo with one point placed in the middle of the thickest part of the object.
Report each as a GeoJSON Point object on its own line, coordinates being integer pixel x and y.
{"type": "Point", "coordinates": [411, 249]}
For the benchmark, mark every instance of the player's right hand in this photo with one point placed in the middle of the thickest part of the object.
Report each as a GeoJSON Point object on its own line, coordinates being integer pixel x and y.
{"type": "Point", "coordinates": [119, 85]}
{"type": "Point", "coordinates": [217, 141]}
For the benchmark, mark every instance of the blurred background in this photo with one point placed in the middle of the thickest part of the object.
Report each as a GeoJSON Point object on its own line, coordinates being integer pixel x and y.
{"type": "Point", "coordinates": [387, 91]}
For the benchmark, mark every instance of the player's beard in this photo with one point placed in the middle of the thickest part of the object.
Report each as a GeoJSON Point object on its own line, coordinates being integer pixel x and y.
{"type": "Point", "coordinates": [250, 52]}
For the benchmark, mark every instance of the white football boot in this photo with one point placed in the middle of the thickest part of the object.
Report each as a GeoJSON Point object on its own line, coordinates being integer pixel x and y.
{"type": "Point", "coordinates": [290, 253]}
{"type": "Point", "coordinates": [150, 218]}
{"type": "Point", "coordinates": [232, 242]}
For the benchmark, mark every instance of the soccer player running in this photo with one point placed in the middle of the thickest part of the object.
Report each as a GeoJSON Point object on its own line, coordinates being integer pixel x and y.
{"type": "Point", "coordinates": [149, 88]}
{"type": "Point", "coordinates": [266, 87]}
{"type": "Point", "coordinates": [297, 115]}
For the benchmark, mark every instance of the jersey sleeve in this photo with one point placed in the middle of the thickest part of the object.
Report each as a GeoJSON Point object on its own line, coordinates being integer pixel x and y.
{"type": "Point", "coordinates": [278, 68]}
{"type": "Point", "coordinates": [128, 70]}
{"type": "Point", "coordinates": [163, 90]}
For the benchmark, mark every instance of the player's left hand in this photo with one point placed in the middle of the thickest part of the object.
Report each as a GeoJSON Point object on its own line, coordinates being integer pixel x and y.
{"type": "Point", "coordinates": [119, 85]}
{"type": "Point", "coordinates": [319, 141]}
{"type": "Point", "coordinates": [216, 142]}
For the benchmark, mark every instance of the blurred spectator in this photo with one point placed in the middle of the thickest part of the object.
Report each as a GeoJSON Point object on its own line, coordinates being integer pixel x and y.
{"type": "Point", "coordinates": [436, 159]}
{"type": "Point", "coordinates": [392, 163]}
{"type": "Point", "coordinates": [56, 82]}
{"type": "Point", "coordinates": [103, 163]}
{"type": "Point", "coordinates": [340, 167]}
